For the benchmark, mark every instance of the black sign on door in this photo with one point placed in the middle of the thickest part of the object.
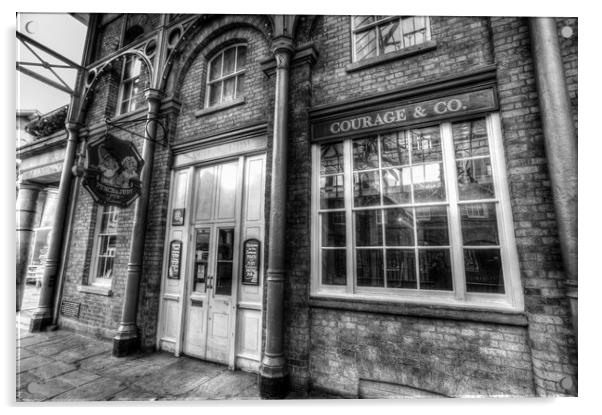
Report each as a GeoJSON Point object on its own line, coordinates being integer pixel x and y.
{"type": "Point", "coordinates": [250, 267]}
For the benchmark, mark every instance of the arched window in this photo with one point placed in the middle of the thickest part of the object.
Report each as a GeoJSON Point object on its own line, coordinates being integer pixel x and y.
{"type": "Point", "coordinates": [226, 74]}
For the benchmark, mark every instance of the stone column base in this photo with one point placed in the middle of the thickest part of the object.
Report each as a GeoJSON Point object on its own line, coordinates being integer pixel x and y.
{"type": "Point", "coordinates": [273, 388]}
{"type": "Point", "coordinates": [40, 321]}
{"type": "Point", "coordinates": [126, 341]}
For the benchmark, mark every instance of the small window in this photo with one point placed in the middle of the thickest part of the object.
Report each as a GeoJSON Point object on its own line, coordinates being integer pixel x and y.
{"type": "Point", "coordinates": [226, 74]}
{"type": "Point", "coordinates": [378, 35]}
{"type": "Point", "coordinates": [105, 246]}
{"type": "Point", "coordinates": [131, 85]}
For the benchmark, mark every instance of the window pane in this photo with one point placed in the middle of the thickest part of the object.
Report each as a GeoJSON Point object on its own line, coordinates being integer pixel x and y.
{"type": "Point", "coordinates": [397, 186]}
{"type": "Point", "coordinates": [229, 85]}
{"type": "Point", "coordinates": [365, 44]}
{"type": "Point", "coordinates": [369, 267]}
{"type": "Point", "coordinates": [137, 67]}
{"type": "Point", "coordinates": [229, 56]}
{"type": "Point", "coordinates": [333, 229]}
{"type": "Point", "coordinates": [401, 268]}
{"type": "Point", "coordinates": [470, 139]}
{"type": "Point", "coordinates": [435, 269]}
{"type": "Point", "coordinates": [242, 58]}
{"type": "Point", "coordinates": [475, 180]}
{"type": "Point", "coordinates": [127, 91]}
{"type": "Point", "coordinates": [368, 228]}
{"type": "Point", "coordinates": [332, 194]}
{"type": "Point", "coordinates": [365, 153]}
{"type": "Point", "coordinates": [366, 189]}
{"type": "Point", "coordinates": [214, 93]}
{"type": "Point", "coordinates": [483, 268]}
{"type": "Point", "coordinates": [223, 277]}
{"type": "Point", "coordinates": [390, 37]}
{"type": "Point", "coordinates": [225, 244]}
{"type": "Point", "coordinates": [359, 21]}
{"type": "Point", "coordinates": [331, 158]}
{"type": "Point", "coordinates": [201, 256]}
{"type": "Point", "coordinates": [334, 267]}
{"type": "Point", "coordinates": [479, 224]}
{"type": "Point", "coordinates": [394, 149]}
{"type": "Point", "coordinates": [431, 223]}
{"type": "Point", "coordinates": [428, 183]}
{"type": "Point", "coordinates": [426, 145]}
{"type": "Point", "coordinates": [240, 85]}
{"type": "Point", "coordinates": [399, 227]}
{"type": "Point", "coordinates": [215, 68]}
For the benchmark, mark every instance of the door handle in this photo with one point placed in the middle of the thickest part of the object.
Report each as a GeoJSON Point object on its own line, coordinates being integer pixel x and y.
{"type": "Point", "coordinates": [209, 280]}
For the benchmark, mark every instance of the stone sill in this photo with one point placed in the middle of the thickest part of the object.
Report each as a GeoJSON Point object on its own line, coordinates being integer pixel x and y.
{"type": "Point", "coordinates": [434, 311]}
{"type": "Point", "coordinates": [220, 107]}
{"type": "Point", "coordinates": [404, 53]}
{"type": "Point", "coordinates": [96, 289]}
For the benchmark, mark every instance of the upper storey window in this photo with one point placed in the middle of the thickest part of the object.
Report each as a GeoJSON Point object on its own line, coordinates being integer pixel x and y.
{"type": "Point", "coordinates": [378, 35]}
{"type": "Point", "coordinates": [131, 85]}
{"type": "Point", "coordinates": [225, 78]}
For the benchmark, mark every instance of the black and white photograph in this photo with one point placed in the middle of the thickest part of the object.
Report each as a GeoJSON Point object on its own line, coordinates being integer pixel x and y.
{"type": "Point", "coordinates": [246, 206]}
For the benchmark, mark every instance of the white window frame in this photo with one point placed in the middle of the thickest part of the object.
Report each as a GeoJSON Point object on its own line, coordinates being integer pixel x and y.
{"type": "Point", "coordinates": [376, 24]}
{"type": "Point", "coordinates": [237, 74]}
{"type": "Point", "coordinates": [93, 280]}
{"type": "Point", "coordinates": [131, 98]}
{"type": "Point", "coordinates": [512, 299]}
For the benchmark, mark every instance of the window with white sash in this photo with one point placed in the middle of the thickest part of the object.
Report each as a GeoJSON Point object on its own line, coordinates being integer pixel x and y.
{"type": "Point", "coordinates": [131, 86]}
{"type": "Point", "coordinates": [105, 246]}
{"type": "Point", "coordinates": [416, 213]}
{"type": "Point", "coordinates": [226, 75]}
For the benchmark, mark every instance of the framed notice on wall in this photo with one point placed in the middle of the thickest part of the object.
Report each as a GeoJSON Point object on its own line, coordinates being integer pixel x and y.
{"type": "Point", "coordinates": [177, 217]}
{"type": "Point", "coordinates": [175, 256]}
{"type": "Point", "coordinates": [250, 263]}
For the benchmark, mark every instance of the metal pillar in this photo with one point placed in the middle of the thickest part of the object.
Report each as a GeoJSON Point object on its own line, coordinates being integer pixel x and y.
{"type": "Point", "coordinates": [560, 143]}
{"type": "Point", "coordinates": [26, 213]}
{"type": "Point", "coordinates": [42, 317]}
{"type": "Point", "coordinates": [273, 372]}
{"type": "Point", "coordinates": [127, 338]}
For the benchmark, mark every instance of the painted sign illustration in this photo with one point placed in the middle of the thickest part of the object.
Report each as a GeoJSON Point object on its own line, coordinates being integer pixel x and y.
{"type": "Point", "coordinates": [250, 272]}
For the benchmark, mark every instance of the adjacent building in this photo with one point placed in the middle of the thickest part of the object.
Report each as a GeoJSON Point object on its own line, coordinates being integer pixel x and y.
{"type": "Point", "coordinates": [366, 206]}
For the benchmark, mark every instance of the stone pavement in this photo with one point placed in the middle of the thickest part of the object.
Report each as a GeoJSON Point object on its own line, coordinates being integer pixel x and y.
{"type": "Point", "coordinates": [64, 366]}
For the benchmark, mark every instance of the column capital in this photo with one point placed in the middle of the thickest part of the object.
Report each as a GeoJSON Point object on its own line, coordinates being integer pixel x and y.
{"type": "Point", "coordinates": [152, 94]}
{"type": "Point", "coordinates": [282, 48]}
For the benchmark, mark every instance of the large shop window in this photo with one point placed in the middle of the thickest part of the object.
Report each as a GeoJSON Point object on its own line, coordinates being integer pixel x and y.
{"type": "Point", "coordinates": [378, 35]}
{"type": "Point", "coordinates": [131, 88]}
{"type": "Point", "coordinates": [105, 246]}
{"type": "Point", "coordinates": [419, 213]}
{"type": "Point", "coordinates": [226, 75]}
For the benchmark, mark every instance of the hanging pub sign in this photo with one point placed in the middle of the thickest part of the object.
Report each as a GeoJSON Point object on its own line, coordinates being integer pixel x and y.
{"type": "Point", "coordinates": [175, 256]}
{"type": "Point", "coordinates": [113, 173]}
{"type": "Point", "coordinates": [250, 267]}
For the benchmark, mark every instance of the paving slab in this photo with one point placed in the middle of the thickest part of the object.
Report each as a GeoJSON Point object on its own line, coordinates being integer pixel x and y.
{"type": "Point", "coordinates": [173, 380]}
{"type": "Point", "coordinates": [43, 390]}
{"type": "Point", "coordinates": [54, 346]}
{"type": "Point", "coordinates": [227, 385]}
{"type": "Point", "coordinates": [98, 390]}
{"type": "Point", "coordinates": [53, 369]}
{"type": "Point", "coordinates": [134, 394]}
{"type": "Point", "coordinates": [79, 377]}
{"type": "Point", "coordinates": [22, 353]}
{"type": "Point", "coordinates": [31, 363]}
{"type": "Point", "coordinates": [102, 362]}
{"type": "Point", "coordinates": [81, 352]}
{"type": "Point", "coordinates": [25, 378]}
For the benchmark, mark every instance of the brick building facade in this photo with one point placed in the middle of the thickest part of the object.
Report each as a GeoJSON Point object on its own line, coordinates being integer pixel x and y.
{"type": "Point", "coordinates": [364, 119]}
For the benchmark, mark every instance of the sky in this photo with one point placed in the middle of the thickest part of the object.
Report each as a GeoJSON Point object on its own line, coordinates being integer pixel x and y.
{"type": "Point", "coordinates": [60, 32]}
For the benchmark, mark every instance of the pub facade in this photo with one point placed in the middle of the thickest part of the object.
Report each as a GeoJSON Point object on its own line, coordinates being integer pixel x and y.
{"type": "Point", "coordinates": [364, 206]}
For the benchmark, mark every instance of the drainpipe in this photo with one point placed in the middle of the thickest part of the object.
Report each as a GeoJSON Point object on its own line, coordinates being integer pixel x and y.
{"type": "Point", "coordinates": [273, 377]}
{"type": "Point", "coordinates": [126, 340]}
{"type": "Point", "coordinates": [560, 143]}
{"type": "Point", "coordinates": [42, 317]}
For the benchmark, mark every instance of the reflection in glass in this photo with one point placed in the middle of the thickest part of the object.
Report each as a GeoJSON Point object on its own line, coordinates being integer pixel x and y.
{"type": "Point", "coordinates": [223, 277]}
{"type": "Point", "coordinates": [435, 269]}
{"type": "Point", "coordinates": [431, 223]}
{"type": "Point", "coordinates": [390, 37]}
{"type": "Point", "coordinates": [368, 228]}
{"type": "Point", "coordinates": [334, 267]}
{"type": "Point", "coordinates": [397, 186]}
{"type": "Point", "coordinates": [483, 268]}
{"type": "Point", "coordinates": [365, 153]}
{"type": "Point", "coordinates": [475, 180]}
{"type": "Point", "coordinates": [428, 183]}
{"type": "Point", "coordinates": [365, 44]}
{"type": "Point", "coordinates": [399, 227]}
{"type": "Point", "coordinates": [359, 21]}
{"type": "Point", "coordinates": [333, 229]}
{"type": "Point", "coordinates": [470, 139]}
{"type": "Point", "coordinates": [426, 145]}
{"type": "Point", "coordinates": [394, 149]}
{"type": "Point", "coordinates": [201, 259]}
{"type": "Point", "coordinates": [366, 188]}
{"type": "Point", "coordinates": [331, 158]}
{"type": "Point", "coordinates": [401, 268]}
{"type": "Point", "coordinates": [479, 224]}
{"type": "Point", "coordinates": [369, 267]}
{"type": "Point", "coordinates": [332, 194]}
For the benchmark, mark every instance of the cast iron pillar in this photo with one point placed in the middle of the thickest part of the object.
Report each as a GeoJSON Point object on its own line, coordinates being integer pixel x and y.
{"type": "Point", "coordinates": [126, 340]}
{"type": "Point", "coordinates": [273, 376]}
{"type": "Point", "coordinates": [26, 213]}
{"type": "Point", "coordinates": [42, 317]}
{"type": "Point", "coordinates": [560, 143]}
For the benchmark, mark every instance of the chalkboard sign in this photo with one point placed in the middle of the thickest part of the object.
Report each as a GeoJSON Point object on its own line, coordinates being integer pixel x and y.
{"type": "Point", "coordinates": [175, 256]}
{"type": "Point", "coordinates": [250, 271]}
